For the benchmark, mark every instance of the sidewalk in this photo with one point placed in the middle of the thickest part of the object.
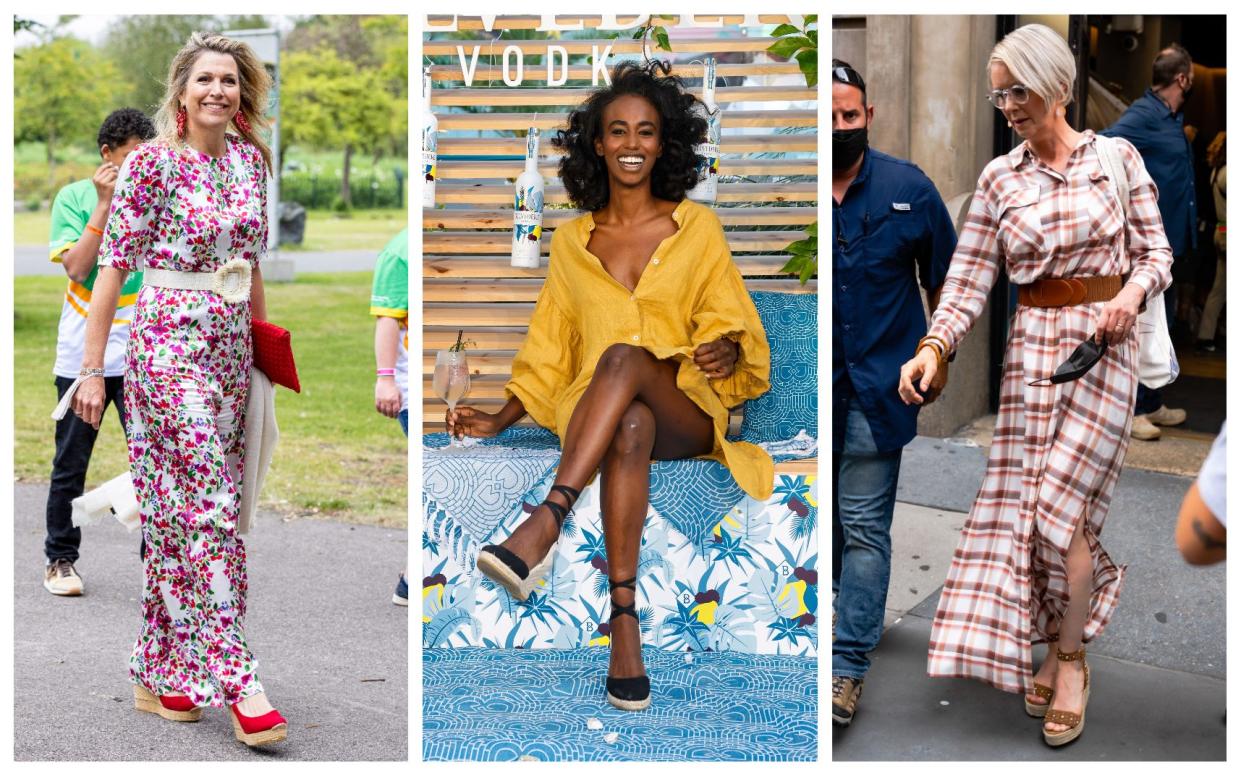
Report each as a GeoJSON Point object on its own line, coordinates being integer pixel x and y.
{"type": "Point", "coordinates": [331, 646]}
{"type": "Point", "coordinates": [1158, 672]}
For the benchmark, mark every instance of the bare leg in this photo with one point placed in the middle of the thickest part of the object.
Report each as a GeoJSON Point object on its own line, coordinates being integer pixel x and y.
{"type": "Point", "coordinates": [1046, 674]}
{"type": "Point", "coordinates": [1069, 676]}
{"type": "Point", "coordinates": [624, 373]}
{"type": "Point", "coordinates": [625, 488]}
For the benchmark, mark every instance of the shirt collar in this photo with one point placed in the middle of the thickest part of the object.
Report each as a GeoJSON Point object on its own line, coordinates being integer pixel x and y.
{"type": "Point", "coordinates": [1159, 104]}
{"type": "Point", "coordinates": [1023, 154]}
{"type": "Point", "coordinates": [587, 221]}
{"type": "Point", "coordinates": [864, 173]}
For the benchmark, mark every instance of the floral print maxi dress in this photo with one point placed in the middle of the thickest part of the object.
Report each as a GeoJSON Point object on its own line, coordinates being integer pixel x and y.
{"type": "Point", "coordinates": [1058, 449]}
{"type": "Point", "coordinates": [187, 373]}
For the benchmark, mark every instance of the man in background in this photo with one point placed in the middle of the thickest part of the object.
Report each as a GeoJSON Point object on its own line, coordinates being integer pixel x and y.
{"type": "Point", "coordinates": [890, 230]}
{"type": "Point", "coordinates": [1155, 126]}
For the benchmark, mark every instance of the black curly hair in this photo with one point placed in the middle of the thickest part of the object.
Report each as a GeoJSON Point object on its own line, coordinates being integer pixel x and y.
{"type": "Point", "coordinates": [584, 172]}
{"type": "Point", "coordinates": [121, 125]}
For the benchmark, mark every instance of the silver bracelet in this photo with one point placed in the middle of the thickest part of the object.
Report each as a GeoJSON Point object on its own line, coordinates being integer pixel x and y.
{"type": "Point", "coordinates": [90, 373]}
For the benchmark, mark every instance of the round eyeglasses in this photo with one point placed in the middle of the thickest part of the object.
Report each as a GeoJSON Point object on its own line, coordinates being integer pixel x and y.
{"type": "Point", "coordinates": [1017, 93]}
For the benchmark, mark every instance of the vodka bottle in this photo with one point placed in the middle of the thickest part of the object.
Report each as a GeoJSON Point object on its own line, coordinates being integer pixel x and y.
{"type": "Point", "coordinates": [430, 142]}
{"type": "Point", "coordinates": [528, 207]}
{"type": "Point", "coordinates": [708, 151]}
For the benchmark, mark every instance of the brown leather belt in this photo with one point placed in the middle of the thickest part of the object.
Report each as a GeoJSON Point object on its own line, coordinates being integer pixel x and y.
{"type": "Point", "coordinates": [1065, 292]}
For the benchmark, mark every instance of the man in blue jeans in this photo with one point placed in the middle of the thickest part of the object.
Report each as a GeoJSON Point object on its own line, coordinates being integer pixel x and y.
{"type": "Point", "coordinates": [890, 230]}
{"type": "Point", "coordinates": [1155, 125]}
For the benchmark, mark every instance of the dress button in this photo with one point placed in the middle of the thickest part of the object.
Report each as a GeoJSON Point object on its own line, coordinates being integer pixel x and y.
{"type": "Point", "coordinates": [632, 297]}
{"type": "Point", "coordinates": [635, 338]}
{"type": "Point", "coordinates": [847, 327]}
{"type": "Point", "coordinates": [844, 288]}
{"type": "Point", "coordinates": [654, 261]}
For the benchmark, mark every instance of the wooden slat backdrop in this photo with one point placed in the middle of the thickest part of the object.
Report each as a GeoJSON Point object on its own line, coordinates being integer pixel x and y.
{"type": "Point", "coordinates": [531, 21]}
{"type": "Point", "coordinates": [554, 121]}
{"type": "Point", "coordinates": [484, 73]}
{"type": "Point", "coordinates": [702, 44]}
{"type": "Point", "coordinates": [468, 282]}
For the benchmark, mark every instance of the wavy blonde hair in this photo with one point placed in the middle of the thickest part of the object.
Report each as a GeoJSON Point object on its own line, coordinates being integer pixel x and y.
{"type": "Point", "coordinates": [1040, 59]}
{"type": "Point", "coordinates": [254, 81]}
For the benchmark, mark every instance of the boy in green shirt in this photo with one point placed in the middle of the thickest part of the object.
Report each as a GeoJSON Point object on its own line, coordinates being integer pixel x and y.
{"type": "Point", "coordinates": [390, 306]}
{"type": "Point", "coordinates": [79, 215]}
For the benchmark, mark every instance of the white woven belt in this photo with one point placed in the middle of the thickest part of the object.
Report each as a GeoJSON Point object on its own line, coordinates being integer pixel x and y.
{"type": "Point", "coordinates": [231, 281]}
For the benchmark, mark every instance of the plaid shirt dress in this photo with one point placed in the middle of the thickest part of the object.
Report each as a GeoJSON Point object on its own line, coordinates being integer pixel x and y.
{"type": "Point", "coordinates": [1058, 449]}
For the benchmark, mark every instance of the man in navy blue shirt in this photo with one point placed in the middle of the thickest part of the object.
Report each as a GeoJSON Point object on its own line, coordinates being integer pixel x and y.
{"type": "Point", "coordinates": [890, 229]}
{"type": "Point", "coordinates": [1155, 126]}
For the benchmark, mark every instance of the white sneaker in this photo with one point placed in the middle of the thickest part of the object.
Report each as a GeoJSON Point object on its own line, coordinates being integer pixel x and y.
{"type": "Point", "coordinates": [1165, 416]}
{"type": "Point", "coordinates": [60, 578]}
{"type": "Point", "coordinates": [1144, 429]}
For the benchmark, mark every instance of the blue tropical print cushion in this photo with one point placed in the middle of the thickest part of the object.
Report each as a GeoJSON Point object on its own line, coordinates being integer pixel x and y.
{"type": "Point", "coordinates": [792, 404]}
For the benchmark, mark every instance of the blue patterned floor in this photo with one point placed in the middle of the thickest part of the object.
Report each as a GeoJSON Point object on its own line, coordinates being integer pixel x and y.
{"type": "Point", "coordinates": [490, 704]}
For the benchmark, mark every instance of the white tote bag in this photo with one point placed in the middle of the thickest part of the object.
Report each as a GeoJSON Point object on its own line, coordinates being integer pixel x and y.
{"type": "Point", "coordinates": [1157, 364]}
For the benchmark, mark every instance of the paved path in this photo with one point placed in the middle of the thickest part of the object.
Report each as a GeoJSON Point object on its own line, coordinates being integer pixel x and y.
{"type": "Point", "coordinates": [331, 647]}
{"type": "Point", "coordinates": [32, 260]}
{"type": "Point", "coordinates": [1158, 670]}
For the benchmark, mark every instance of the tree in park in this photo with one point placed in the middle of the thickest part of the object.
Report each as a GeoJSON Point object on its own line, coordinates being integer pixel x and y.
{"type": "Point", "coordinates": [142, 47]}
{"type": "Point", "coordinates": [62, 89]}
{"type": "Point", "coordinates": [327, 102]}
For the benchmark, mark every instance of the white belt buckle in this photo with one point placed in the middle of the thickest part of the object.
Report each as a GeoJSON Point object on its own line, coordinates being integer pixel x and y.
{"type": "Point", "coordinates": [232, 281]}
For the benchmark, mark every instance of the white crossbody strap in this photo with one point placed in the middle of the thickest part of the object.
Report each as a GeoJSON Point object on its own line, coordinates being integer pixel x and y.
{"type": "Point", "coordinates": [1114, 168]}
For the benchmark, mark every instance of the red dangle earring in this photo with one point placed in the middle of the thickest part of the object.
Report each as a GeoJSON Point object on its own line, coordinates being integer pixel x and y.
{"type": "Point", "coordinates": [181, 119]}
{"type": "Point", "coordinates": [242, 122]}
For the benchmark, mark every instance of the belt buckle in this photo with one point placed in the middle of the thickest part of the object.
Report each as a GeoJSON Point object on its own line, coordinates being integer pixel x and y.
{"type": "Point", "coordinates": [232, 281]}
{"type": "Point", "coordinates": [1078, 289]}
{"type": "Point", "coordinates": [1052, 292]}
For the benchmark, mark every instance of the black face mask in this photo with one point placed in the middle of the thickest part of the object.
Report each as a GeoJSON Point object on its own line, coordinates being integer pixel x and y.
{"type": "Point", "coordinates": [847, 146]}
{"type": "Point", "coordinates": [1087, 355]}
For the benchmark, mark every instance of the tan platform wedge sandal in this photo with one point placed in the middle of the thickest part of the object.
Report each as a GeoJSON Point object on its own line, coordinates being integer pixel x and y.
{"type": "Point", "coordinates": [1039, 710]}
{"type": "Point", "coordinates": [1075, 721]}
{"type": "Point", "coordinates": [176, 708]}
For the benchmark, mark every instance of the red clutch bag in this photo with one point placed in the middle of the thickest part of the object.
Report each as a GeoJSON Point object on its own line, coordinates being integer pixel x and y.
{"type": "Point", "coordinates": [273, 354]}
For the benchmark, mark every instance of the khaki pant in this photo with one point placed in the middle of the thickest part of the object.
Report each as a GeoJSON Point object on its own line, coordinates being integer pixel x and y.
{"type": "Point", "coordinates": [1215, 300]}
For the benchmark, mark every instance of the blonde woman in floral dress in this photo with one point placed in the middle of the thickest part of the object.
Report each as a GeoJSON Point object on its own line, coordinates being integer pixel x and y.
{"type": "Point", "coordinates": [1030, 567]}
{"type": "Point", "coordinates": [190, 209]}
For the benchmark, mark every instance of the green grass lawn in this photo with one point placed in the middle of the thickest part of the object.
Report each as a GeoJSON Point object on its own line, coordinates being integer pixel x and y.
{"type": "Point", "coordinates": [336, 457]}
{"type": "Point", "coordinates": [367, 230]}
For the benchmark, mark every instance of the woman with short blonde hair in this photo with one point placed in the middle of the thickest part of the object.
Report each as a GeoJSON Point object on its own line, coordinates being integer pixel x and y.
{"type": "Point", "coordinates": [1030, 567]}
{"type": "Point", "coordinates": [1039, 58]}
{"type": "Point", "coordinates": [190, 213]}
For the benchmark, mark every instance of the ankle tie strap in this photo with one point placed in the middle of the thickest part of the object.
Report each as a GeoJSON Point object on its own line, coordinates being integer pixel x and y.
{"type": "Point", "coordinates": [620, 609]}
{"type": "Point", "coordinates": [1071, 657]}
{"type": "Point", "coordinates": [558, 512]}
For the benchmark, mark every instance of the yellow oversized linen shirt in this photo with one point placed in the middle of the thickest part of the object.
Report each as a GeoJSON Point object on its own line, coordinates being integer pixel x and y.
{"type": "Point", "coordinates": [690, 293]}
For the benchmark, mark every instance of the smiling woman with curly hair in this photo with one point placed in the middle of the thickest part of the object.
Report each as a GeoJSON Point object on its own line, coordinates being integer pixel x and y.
{"type": "Point", "coordinates": [642, 339]}
{"type": "Point", "coordinates": [583, 170]}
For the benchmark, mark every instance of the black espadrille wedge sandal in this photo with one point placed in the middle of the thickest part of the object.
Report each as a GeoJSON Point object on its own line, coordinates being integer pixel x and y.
{"type": "Point", "coordinates": [510, 571]}
{"type": "Point", "coordinates": [631, 693]}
